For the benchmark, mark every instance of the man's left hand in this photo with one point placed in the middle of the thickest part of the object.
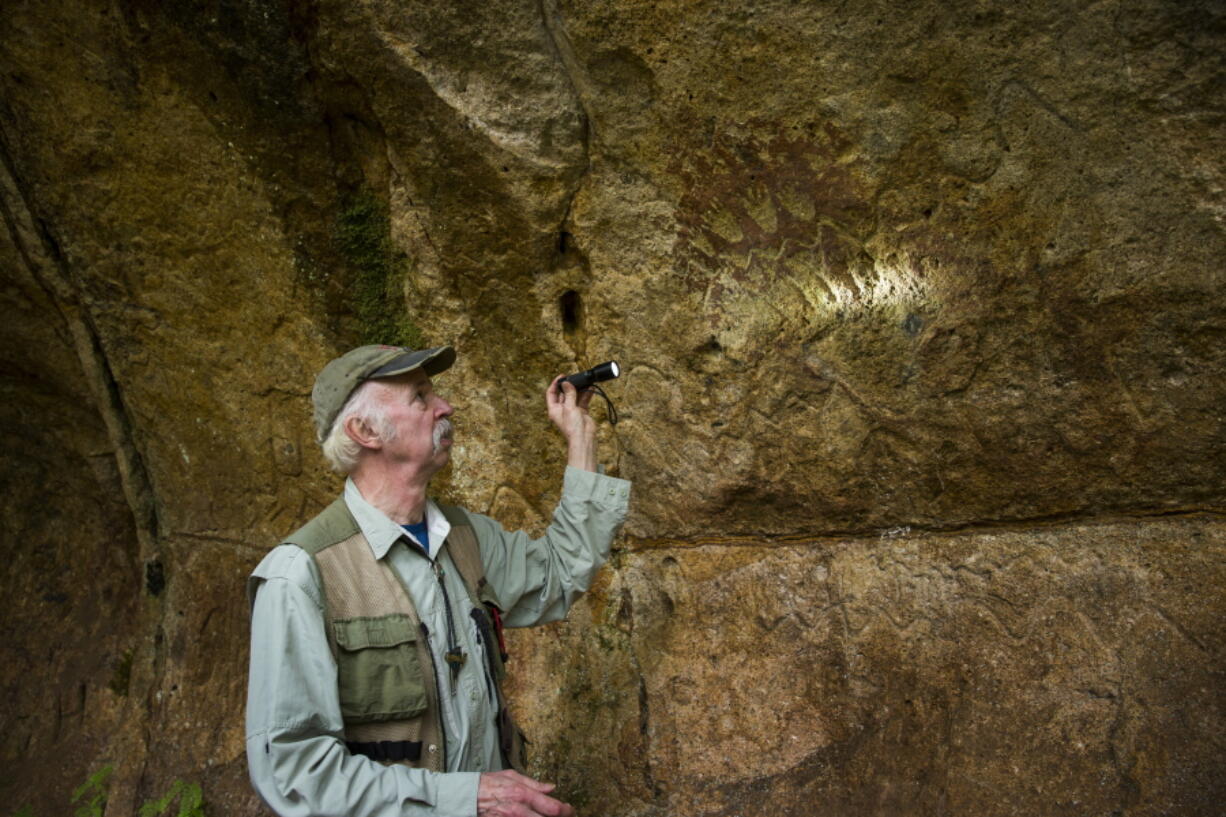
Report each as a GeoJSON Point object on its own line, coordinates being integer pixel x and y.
{"type": "Point", "coordinates": [511, 794]}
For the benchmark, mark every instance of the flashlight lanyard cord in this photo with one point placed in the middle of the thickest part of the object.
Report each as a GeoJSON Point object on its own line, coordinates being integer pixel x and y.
{"type": "Point", "coordinates": [612, 412]}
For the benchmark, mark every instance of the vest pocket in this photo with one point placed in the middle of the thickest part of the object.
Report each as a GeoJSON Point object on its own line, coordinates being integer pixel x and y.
{"type": "Point", "coordinates": [380, 675]}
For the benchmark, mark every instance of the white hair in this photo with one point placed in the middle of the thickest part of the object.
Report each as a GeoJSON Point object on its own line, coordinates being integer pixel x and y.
{"type": "Point", "coordinates": [339, 448]}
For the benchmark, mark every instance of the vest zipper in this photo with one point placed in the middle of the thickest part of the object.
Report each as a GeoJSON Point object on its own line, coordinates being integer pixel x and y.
{"type": "Point", "coordinates": [442, 726]}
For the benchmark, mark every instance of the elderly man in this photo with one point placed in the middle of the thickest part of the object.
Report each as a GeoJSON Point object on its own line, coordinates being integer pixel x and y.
{"type": "Point", "coordinates": [376, 627]}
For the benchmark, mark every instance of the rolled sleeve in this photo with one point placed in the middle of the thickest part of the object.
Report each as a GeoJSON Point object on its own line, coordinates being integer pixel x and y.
{"type": "Point", "coordinates": [296, 753]}
{"type": "Point", "coordinates": [537, 580]}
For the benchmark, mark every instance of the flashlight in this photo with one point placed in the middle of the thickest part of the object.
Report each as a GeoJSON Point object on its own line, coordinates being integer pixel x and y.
{"type": "Point", "coordinates": [596, 374]}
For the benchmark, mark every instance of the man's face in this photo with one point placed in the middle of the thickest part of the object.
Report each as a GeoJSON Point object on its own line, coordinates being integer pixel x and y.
{"type": "Point", "coordinates": [419, 417]}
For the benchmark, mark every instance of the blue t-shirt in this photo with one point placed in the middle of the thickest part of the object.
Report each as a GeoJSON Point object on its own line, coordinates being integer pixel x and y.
{"type": "Point", "coordinates": [420, 533]}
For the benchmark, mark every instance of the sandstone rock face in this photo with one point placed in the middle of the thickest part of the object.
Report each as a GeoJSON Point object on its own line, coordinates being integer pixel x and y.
{"type": "Point", "coordinates": [987, 673]}
{"type": "Point", "coordinates": [920, 311]}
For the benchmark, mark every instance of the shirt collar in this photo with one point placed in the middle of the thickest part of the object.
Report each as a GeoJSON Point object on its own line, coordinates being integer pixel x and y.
{"type": "Point", "coordinates": [381, 532]}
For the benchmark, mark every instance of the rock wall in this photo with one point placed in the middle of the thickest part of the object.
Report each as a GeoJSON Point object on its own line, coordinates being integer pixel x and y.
{"type": "Point", "coordinates": [920, 310]}
{"type": "Point", "coordinates": [1034, 670]}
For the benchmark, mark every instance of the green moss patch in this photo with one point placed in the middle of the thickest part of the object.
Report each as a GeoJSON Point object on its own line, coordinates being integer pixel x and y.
{"type": "Point", "coordinates": [363, 234]}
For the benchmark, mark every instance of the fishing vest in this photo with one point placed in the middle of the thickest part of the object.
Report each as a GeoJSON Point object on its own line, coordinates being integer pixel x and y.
{"type": "Point", "coordinates": [386, 673]}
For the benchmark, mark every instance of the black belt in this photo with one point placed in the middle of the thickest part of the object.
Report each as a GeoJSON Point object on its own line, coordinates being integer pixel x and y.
{"type": "Point", "coordinates": [387, 750]}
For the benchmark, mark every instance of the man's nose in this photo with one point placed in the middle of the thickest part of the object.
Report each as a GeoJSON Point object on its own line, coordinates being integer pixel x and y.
{"type": "Point", "coordinates": [445, 409]}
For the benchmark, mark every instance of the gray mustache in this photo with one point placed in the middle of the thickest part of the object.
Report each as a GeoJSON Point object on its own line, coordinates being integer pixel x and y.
{"type": "Point", "coordinates": [442, 430]}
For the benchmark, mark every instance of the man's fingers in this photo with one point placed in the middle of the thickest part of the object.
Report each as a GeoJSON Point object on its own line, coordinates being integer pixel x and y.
{"type": "Point", "coordinates": [524, 780]}
{"type": "Point", "coordinates": [539, 786]}
{"type": "Point", "coordinates": [511, 794]}
{"type": "Point", "coordinates": [549, 807]}
{"type": "Point", "coordinates": [563, 392]}
{"type": "Point", "coordinates": [530, 805]}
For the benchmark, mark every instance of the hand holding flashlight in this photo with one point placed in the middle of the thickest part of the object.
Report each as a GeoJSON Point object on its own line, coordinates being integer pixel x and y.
{"type": "Point", "coordinates": [594, 375]}
{"type": "Point", "coordinates": [586, 381]}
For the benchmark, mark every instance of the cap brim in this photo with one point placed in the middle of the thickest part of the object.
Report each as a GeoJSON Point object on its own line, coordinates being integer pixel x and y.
{"type": "Point", "coordinates": [431, 361]}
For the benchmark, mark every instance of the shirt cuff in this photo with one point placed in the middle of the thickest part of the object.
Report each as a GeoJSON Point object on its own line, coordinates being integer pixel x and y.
{"type": "Point", "coordinates": [455, 794]}
{"type": "Point", "coordinates": [601, 488]}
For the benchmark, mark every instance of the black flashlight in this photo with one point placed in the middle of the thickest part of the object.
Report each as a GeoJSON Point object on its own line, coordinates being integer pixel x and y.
{"type": "Point", "coordinates": [596, 374]}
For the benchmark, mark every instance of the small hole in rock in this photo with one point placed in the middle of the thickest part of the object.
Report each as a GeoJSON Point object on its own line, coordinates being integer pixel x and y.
{"type": "Point", "coordinates": [572, 310]}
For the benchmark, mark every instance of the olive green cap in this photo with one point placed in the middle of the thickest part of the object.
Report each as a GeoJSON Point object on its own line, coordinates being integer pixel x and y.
{"type": "Point", "coordinates": [340, 377]}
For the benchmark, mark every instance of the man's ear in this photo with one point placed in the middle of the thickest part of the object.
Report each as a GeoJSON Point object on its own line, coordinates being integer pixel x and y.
{"type": "Point", "coordinates": [361, 433]}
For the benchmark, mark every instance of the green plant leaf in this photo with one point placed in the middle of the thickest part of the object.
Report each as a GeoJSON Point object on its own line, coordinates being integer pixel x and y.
{"type": "Point", "coordinates": [92, 793]}
{"type": "Point", "coordinates": [191, 801]}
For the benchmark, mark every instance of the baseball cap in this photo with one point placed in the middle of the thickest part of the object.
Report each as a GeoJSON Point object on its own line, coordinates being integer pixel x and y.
{"type": "Point", "coordinates": [344, 374]}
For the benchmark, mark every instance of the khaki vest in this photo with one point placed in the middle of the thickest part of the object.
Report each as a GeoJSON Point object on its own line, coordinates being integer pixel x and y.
{"type": "Point", "coordinates": [386, 673]}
